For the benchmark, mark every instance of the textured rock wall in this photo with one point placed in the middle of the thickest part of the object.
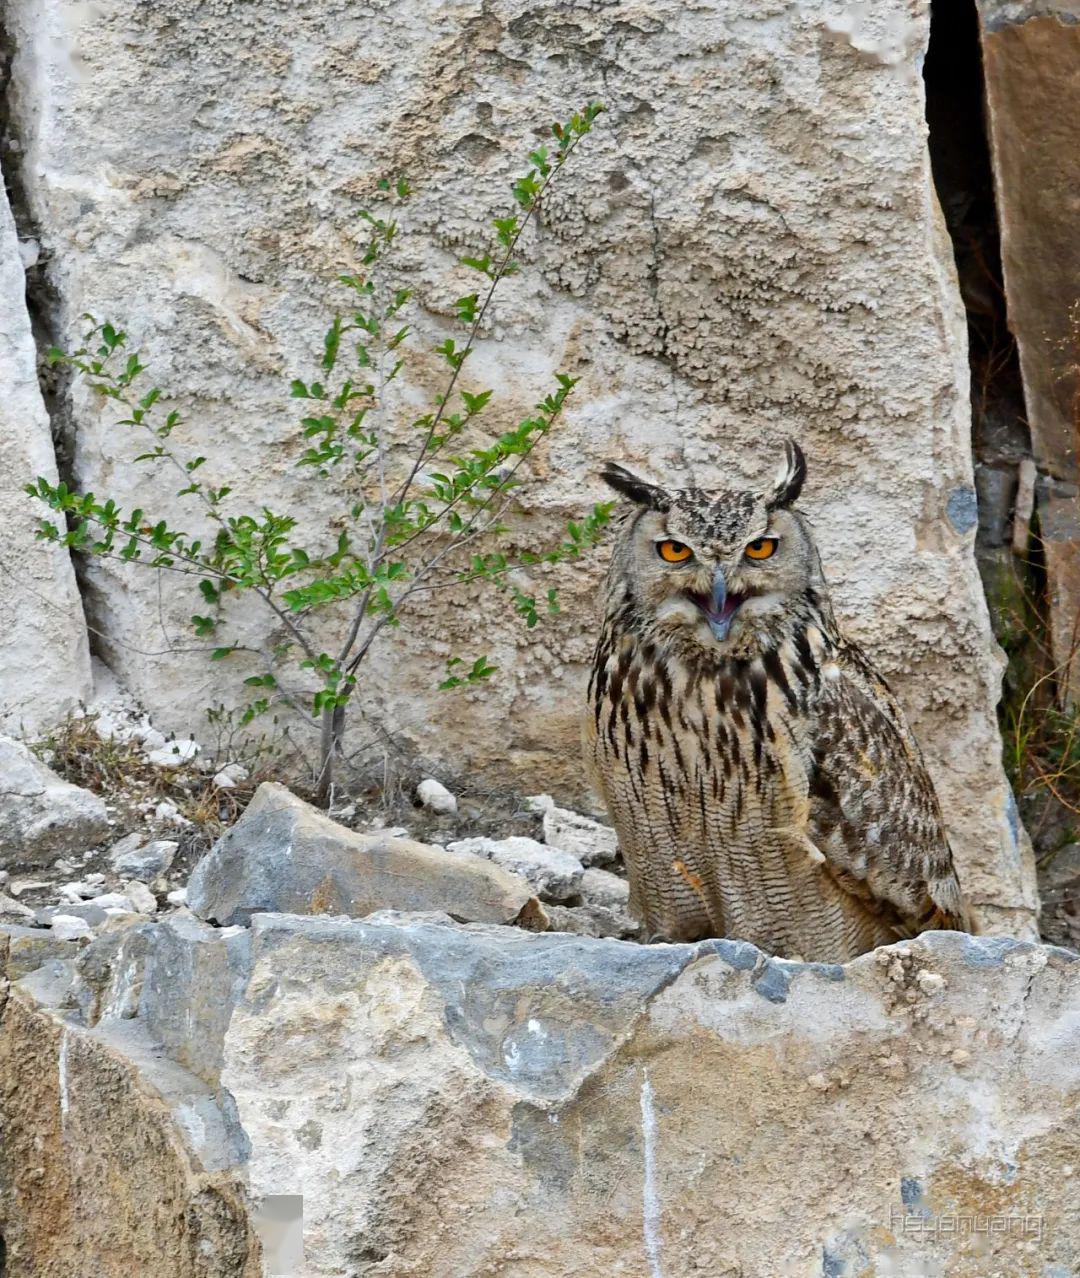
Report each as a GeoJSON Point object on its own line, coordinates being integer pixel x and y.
{"type": "Point", "coordinates": [45, 670]}
{"type": "Point", "coordinates": [750, 247]}
{"type": "Point", "coordinates": [453, 1101]}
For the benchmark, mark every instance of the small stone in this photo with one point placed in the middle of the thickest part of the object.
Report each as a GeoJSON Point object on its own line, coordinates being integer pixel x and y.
{"type": "Point", "coordinates": [141, 897]}
{"type": "Point", "coordinates": [434, 795]}
{"type": "Point", "coordinates": [64, 866]}
{"type": "Point", "coordinates": [66, 927]}
{"type": "Point", "coordinates": [551, 872]}
{"type": "Point", "coordinates": [174, 754]}
{"type": "Point", "coordinates": [601, 887]}
{"type": "Point", "coordinates": [960, 1057]}
{"type": "Point", "coordinates": [145, 861]}
{"type": "Point", "coordinates": [930, 982]}
{"type": "Point", "coordinates": [177, 897]}
{"type": "Point", "coordinates": [818, 1082]}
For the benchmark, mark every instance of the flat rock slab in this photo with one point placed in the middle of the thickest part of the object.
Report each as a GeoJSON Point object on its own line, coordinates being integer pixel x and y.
{"type": "Point", "coordinates": [284, 856]}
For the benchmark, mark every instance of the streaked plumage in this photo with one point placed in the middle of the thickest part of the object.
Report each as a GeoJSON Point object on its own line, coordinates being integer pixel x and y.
{"type": "Point", "coordinates": [760, 775]}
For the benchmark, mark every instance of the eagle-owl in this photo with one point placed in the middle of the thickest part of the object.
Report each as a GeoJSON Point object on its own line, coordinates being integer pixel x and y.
{"type": "Point", "coordinates": [762, 779]}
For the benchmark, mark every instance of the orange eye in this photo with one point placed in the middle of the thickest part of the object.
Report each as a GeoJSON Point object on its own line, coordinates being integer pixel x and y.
{"type": "Point", "coordinates": [762, 548]}
{"type": "Point", "coordinates": [673, 552]}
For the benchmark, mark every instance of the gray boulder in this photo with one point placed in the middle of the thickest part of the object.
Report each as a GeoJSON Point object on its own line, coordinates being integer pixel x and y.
{"type": "Point", "coordinates": [132, 858]}
{"type": "Point", "coordinates": [284, 856]}
{"type": "Point", "coordinates": [43, 817]}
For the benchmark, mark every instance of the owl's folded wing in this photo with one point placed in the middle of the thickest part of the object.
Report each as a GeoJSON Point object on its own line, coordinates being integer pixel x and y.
{"type": "Point", "coordinates": [873, 813]}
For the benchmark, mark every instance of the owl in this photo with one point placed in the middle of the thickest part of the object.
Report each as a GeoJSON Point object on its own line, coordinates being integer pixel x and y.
{"type": "Point", "coordinates": [760, 775]}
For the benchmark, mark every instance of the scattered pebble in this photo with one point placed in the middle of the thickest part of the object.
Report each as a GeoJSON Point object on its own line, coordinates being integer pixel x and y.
{"type": "Point", "coordinates": [177, 897]}
{"type": "Point", "coordinates": [434, 795]}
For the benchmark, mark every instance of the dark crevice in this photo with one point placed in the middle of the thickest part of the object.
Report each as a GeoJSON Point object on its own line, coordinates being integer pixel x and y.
{"type": "Point", "coordinates": [1000, 438]}
{"type": "Point", "coordinates": [42, 297]}
{"type": "Point", "coordinates": [1014, 576]}
{"type": "Point", "coordinates": [43, 301]}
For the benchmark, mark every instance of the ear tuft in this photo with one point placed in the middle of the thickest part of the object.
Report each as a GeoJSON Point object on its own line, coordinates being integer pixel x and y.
{"type": "Point", "coordinates": [636, 490]}
{"type": "Point", "coordinates": [789, 478]}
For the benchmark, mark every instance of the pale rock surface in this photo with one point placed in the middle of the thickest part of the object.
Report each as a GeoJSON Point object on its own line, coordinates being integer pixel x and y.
{"type": "Point", "coordinates": [285, 855]}
{"type": "Point", "coordinates": [41, 816]}
{"type": "Point", "coordinates": [45, 672]}
{"type": "Point", "coordinates": [457, 1100]}
{"type": "Point", "coordinates": [749, 245]}
{"type": "Point", "coordinates": [553, 873]}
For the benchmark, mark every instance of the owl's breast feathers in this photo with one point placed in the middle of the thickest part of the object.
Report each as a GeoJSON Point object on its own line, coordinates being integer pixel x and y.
{"type": "Point", "coordinates": [778, 797]}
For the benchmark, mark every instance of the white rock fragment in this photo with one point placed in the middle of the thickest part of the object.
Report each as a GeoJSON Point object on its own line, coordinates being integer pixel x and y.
{"type": "Point", "coordinates": [66, 927]}
{"type": "Point", "coordinates": [581, 836]}
{"type": "Point", "coordinates": [601, 887]}
{"type": "Point", "coordinates": [177, 897]}
{"type": "Point", "coordinates": [174, 754]}
{"type": "Point", "coordinates": [434, 795]}
{"type": "Point", "coordinates": [141, 897]}
{"type": "Point", "coordinates": [550, 872]}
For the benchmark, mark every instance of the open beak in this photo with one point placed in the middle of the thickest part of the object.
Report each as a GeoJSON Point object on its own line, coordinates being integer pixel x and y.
{"type": "Point", "coordinates": [721, 607]}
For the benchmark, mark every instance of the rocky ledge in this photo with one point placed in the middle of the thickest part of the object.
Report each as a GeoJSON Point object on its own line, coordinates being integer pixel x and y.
{"type": "Point", "coordinates": [452, 1099]}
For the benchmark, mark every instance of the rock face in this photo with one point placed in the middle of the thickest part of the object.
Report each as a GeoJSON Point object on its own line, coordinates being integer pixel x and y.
{"type": "Point", "coordinates": [1030, 54]}
{"type": "Point", "coordinates": [41, 816]}
{"type": "Point", "coordinates": [45, 672]}
{"type": "Point", "coordinates": [750, 247]}
{"type": "Point", "coordinates": [466, 1100]}
{"type": "Point", "coordinates": [285, 855]}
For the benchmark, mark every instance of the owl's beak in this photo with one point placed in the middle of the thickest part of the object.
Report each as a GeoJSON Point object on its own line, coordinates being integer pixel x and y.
{"type": "Point", "coordinates": [722, 607]}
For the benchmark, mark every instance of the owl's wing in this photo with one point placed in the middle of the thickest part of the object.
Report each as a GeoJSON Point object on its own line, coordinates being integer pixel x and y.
{"type": "Point", "coordinates": [873, 812]}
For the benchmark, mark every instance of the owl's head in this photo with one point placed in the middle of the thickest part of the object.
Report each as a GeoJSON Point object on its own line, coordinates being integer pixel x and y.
{"type": "Point", "coordinates": [723, 570]}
